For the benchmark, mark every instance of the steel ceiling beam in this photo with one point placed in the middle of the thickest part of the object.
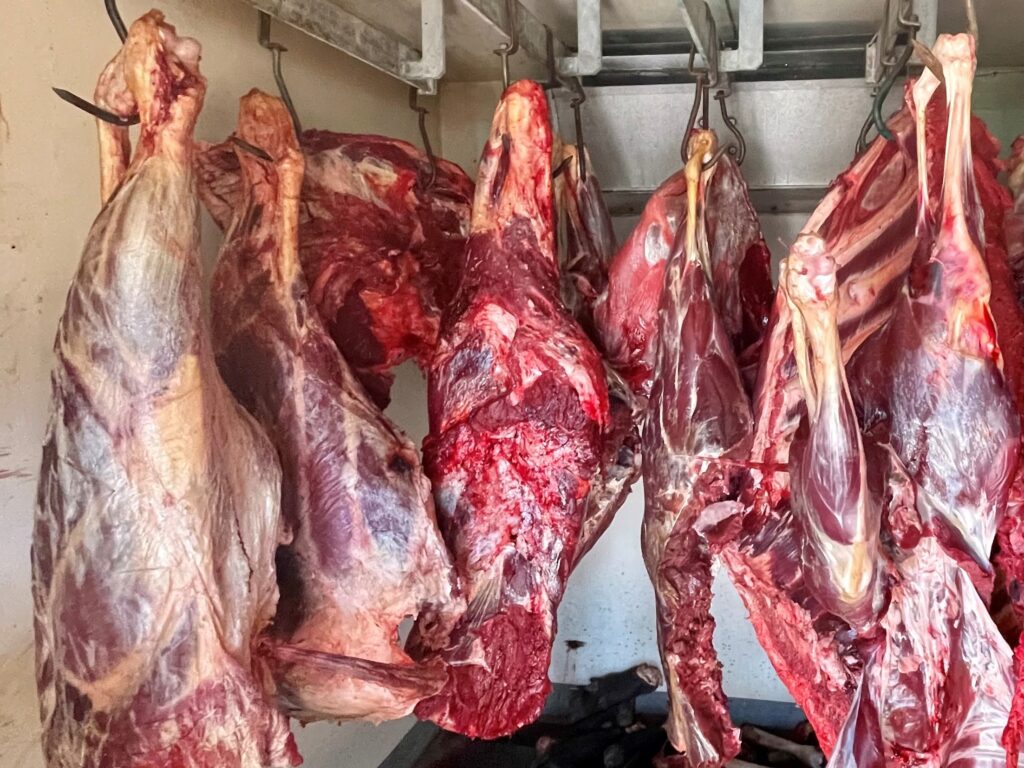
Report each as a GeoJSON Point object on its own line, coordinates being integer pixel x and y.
{"type": "Point", "coordinates": [337, 27]}
{"type": "Point", "coordinates": [747, 56]}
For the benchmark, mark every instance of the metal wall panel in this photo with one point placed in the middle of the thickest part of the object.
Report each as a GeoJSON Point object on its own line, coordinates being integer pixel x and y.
{"type": "Point", "coordinates": [798, 134]}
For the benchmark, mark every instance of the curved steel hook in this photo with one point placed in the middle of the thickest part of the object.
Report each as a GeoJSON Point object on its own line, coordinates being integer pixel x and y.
{"type": "Point", "coordinates": [581, 150]}
{"type": "Point", "coordinates": [84, 104]}
{"type": "Point", "coordinates": [115, 18]}
{"type": "Point", "coordinates": [276, 49]}
{"type": "Point", "coordinates": [862, 137]}
{"type": "Point", "coordinates": [883, 92]}
{"type": "Point", "coordinates": [422, 113]}
{"type": "Point", "coordinates": [700, 90]}
{"type": "Point", "coordinates": [506, 49]}
{"type": "Point", "coordinates": [739, 149]}
{"type": "Point", "coordinates": [98, 112]}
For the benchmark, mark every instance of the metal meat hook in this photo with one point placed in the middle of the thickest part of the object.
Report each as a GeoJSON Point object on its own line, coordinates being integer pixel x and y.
{"type": "Point", "coordinates": [911, 24]}
{"type": "Point", "coordinates": [84, 104]}
{"type": "Point", "coordinates": [508, 48]}
{"type": "Point", "coordinates": [739, 149]}
{"type": "Point", "coordinates": [115, 18]}
{"type": "Point", "coordinates": [422, 113]}
{"type": "Point", "coordinates": [700, 99]}
{"type": "Point", "coordinates": [581, 150]}
{"type": "Point", "coordinates": [276, 49]}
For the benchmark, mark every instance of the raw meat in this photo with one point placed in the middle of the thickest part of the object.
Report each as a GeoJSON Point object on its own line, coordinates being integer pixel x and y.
{"type": "Point", "coordinates": [957, 435]}
{"type": "Point", "coordinates": [1014, 226]}
{"type": "Point", "coordinates": [365, 551]}
{"type": "Point", "coordinates": [867, 223]}
{"type": "Point", "coordinates": [626, 313]}
{"type": "Point", "coordinates": [1004, 258]}
{"type": "Point", "coordinates": [586, 244]}
{"type": "Point", "coordinates": [381, 250]}
{"type": "Point", "coordinates": [518, 404]}
{"type": "Point", "coordinates": [937, 684]}
{"type": "Point", "coordinates": [833, 505]}
{"type": "Point", "coordinates": [697, 430]}
{"type": "Point", "coordinates": [619, 465]}
{"type": "Point", "coordinates": [158, 509]}
{"type": "Point", "coordinates": [586, 239]}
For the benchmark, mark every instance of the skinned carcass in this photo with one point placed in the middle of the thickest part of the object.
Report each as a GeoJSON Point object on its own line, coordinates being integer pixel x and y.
{"type": "Point", "coordinates": [867, 223]}
{"type": "Point", "coordinates": [626, 313]}
{"type": "Point", "coordinates": [838, 515]}
{"type": "Point", "coordinates": [937, 683]}
{"type": "Point", "coordinates": [957, 434]}
{"type": "Point", "coordinates": [698, 430]}
{"type": "Point", "coordinates": [364, 550]}
{"type": "Point", "coordinates": [586, 244]}
{"type": "Point", "coordinates": [380, 241]}
{"type": "Point", "coordinates": [159, 497]}
{"type": "Point", "coordinates": [518, 404]}
{"type": "Point", "coordinates": [586, 239]}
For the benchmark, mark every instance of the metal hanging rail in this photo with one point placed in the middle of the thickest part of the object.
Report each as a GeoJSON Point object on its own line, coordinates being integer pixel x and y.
{"type": "Point", "coordinates": [698, 17]}
{"type": "Point", "coordinates": [337, 27]}
{"type": "Point", "coordinates": [328, 22]}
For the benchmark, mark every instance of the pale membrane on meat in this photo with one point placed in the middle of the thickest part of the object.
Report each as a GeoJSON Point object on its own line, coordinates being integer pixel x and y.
{"type": "Point", "coordinates": [158, 510]}
{"type": "Point", "coordinates": [365, 551]}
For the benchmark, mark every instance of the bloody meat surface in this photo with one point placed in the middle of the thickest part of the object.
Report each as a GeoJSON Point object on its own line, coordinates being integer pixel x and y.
{"type": "Point", "coordinates": [518, 404]}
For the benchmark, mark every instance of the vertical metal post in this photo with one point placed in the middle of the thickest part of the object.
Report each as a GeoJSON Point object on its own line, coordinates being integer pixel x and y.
{"type": "Point", "coordinates": [589, 51]}
{"type": "Point", "coordinates": [431, 65]}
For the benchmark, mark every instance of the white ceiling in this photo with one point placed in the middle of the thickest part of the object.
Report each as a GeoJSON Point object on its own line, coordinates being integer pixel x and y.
{"type": "Point", "coordinates": [1000, 22]}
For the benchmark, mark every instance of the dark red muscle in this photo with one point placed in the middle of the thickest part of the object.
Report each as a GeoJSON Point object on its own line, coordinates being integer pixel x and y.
{"type": "Point", "coordinates": [626, 313]}
{"type": "Point", "coordinates": [381, 250]}
{"type": "Point", "coordinates": [698, 429]}
{"type": "Point", "coordinates": [364, 550]}
{"type": "Point", "coordinates": [518, 404]}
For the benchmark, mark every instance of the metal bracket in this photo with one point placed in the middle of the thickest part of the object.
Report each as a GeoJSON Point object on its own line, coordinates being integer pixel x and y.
{"type": "Point", "coordinates": [587, 60]}
{"type": "Point", "coordinates": [880, 53]}
{"type": "Point", "coordinates": [747, 56]}
{"type": "Point", "coordinates": [532, 32]}
{"type": "Point", "coordinates": [430, 67]}
{"type": "Point", "coordinates": [331, 24]}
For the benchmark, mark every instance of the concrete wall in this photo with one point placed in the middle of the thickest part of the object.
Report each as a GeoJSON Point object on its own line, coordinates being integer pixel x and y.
{"type": "Point", "coordinates": [48, 199]}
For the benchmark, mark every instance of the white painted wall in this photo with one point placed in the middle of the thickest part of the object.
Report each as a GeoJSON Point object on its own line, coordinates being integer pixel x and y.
{"type": "Point", "coordinates": [48, 199]}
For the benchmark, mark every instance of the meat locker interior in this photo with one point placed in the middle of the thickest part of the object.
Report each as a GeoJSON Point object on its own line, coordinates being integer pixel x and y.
{"type": "Point", "coordinates": [511, 383]}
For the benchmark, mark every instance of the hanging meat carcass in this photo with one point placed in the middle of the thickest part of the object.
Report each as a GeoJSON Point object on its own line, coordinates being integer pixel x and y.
{"type": "Point", "coordinates": [586, 244]}
{"type": "Point", "coordinates": [159, 498]}
{"type": "Point", "coordinates": [834, 506]}
{"type": "Point", "coordinates": [697, 431]}
{"type": "Point", "coordinates": [518, 403]}
{"type": "Point", "coordinates": [364, 550]}
{"type": "Point", "coordinates": [586, 238]}
{"type": "Point", "coordinates": [954, 451]}
{"type": "Point", "coordinates": [626, 313]}
{"type": "Point", "coordinates": [867, 224]}
{"type": "Point", "coordinates": [381, 247]}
